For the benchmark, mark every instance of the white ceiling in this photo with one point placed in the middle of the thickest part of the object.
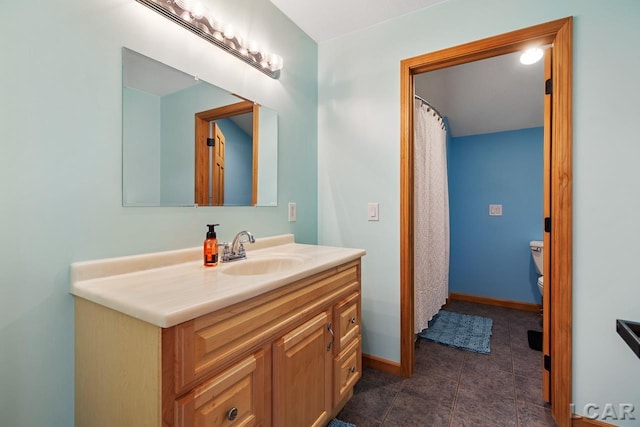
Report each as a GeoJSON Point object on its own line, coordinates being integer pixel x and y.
{"type": "Point", "coordinates": [327, 19]}
{"type": "Point", "coordinates": [492, 95]}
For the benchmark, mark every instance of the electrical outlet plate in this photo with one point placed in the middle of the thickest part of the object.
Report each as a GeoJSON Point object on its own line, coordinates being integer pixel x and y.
{"type": "Point", "coordinates": [495, 210]}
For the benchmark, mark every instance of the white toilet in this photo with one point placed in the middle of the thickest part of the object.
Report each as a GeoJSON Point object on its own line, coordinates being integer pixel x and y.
{"type": "Point", "coordinates": [536, 253]}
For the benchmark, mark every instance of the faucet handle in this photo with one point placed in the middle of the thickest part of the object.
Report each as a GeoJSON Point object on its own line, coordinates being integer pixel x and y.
{"type": "Point", "coordinates": [225, 249]}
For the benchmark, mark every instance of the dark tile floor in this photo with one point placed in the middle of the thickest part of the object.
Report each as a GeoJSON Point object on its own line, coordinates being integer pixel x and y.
{"type": "Point", "coordinates": [453, 387]}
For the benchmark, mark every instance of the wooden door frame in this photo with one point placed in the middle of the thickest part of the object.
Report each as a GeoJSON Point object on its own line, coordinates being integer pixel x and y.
{"type": "Point", "coordinates": [559, 34]}
{"type": "Point", "coordinates": [202, 120]}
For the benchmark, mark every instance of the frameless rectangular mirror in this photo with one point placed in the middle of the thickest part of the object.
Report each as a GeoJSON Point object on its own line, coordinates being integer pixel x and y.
{"type": "Point", "coordinates": [186, 142]}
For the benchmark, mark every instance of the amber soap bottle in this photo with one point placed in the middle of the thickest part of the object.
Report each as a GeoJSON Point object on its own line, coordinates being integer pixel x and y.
{"type": "Point", "coordinates": [211, 247]}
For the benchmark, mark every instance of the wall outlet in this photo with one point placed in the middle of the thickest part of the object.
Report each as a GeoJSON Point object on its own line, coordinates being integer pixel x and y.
{"type": "Point", "coordinates": [292, 212]}
{"type": "Point", "coordinates": [495, 210]}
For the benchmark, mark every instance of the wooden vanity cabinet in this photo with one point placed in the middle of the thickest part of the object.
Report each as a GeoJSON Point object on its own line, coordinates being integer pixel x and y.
{"type": "Point", "coordinates": [289, 357]}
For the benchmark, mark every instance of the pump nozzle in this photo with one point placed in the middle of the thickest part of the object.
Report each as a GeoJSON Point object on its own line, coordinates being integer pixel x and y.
{"type": "Point", "coordinates": [211, 234]}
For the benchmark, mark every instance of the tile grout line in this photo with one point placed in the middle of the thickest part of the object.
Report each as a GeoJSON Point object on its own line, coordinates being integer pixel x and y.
{"type": "Point", "coordinates": [513, 378]}
{"type": "Point", "coordinates": [455, 396]}
{"type": "Point", "coordinates": [386, 413]}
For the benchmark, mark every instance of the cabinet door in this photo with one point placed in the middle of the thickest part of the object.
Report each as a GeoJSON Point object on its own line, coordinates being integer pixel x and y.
{"type": "Point", "coordinates": [302, 374]}
{"type": "Point", "coordinates": [235, 397]}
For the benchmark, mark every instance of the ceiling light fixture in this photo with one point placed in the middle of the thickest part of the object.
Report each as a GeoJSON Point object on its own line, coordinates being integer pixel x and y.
{"type": "Point", "coordinates": [193, 16]}
{"type": "Point", "coordinates": [531, 56]}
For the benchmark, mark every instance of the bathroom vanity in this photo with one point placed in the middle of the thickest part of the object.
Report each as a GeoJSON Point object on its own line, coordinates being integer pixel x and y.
{"type": "Point", "coordinates": [274, 340]}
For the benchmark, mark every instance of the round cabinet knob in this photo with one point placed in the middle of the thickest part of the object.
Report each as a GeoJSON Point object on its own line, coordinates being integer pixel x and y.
{"type": "Point", "coordinates": [232, 414]}
{"type": "Point", "coordinates": [352, 369]}
{"type": "Point", "coordinates": [353, 320]}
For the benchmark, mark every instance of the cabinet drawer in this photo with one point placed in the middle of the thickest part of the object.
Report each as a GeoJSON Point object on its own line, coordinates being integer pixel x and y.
{"type": "Point", "coordinates": [347, 320]}
{"type": "Point", "coordinates": [347, 370]}
{"type": "Point", "coordinates": [231, 398]}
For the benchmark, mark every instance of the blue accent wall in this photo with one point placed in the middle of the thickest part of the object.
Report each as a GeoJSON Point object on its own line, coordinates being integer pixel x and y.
{"type": "Point", "coordinates": [490, 255]}
{"type": "Point", "coordinates": [238, 161]}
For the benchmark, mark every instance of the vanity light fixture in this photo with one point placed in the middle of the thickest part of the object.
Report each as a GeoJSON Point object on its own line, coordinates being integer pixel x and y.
{"type": "Point", "coordinates": [531, 56]}
{"type": "Point", "coordinates": [193, 16]}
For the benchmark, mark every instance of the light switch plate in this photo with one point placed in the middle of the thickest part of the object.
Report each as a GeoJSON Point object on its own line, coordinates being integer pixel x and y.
{"type": "Point", "coordinates": [373, 211]}
{"type": "Point", "coordinates": [292, 212]}
{"type": "Point", "coordinates": [495, 210]}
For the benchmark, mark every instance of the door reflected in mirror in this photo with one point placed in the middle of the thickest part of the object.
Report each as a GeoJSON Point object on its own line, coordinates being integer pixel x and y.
{"type": "Point", "coordinates": [171, 123]}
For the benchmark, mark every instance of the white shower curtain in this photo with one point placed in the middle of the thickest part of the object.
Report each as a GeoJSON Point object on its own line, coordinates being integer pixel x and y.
{"type": "Point", "coordinates": [431, 216]}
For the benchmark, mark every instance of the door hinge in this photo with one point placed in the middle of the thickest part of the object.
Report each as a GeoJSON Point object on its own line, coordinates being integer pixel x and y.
{"type": "Point", "coordinates": [547, 362]}
{"type": "Point", "coordinates": [547, 225]}
{"type": "Point", "coordinates": [211, 142]}
{"type": "Point", "coordinates": [548, 87]}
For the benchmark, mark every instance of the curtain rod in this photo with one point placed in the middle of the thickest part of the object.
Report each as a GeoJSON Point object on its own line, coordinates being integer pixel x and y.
{"type": "Point", "coordinates": [435, 110]}
{"type": "Point", "coordinates": [424, 101]}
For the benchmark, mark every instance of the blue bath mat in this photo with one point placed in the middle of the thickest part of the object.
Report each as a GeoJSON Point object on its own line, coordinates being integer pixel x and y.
{"type": "Point", "coordinates": [337, 423]}
{"type": "Point", "coordinates": [462, 331]}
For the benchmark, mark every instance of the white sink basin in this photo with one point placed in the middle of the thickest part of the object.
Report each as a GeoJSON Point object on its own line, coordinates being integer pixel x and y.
{"type": "Point", "coordinates": [263, 265]}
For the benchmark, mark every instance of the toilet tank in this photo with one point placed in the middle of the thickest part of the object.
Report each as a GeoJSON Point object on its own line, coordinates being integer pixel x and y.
{"type": "Point", "coordinates": [536, 253]}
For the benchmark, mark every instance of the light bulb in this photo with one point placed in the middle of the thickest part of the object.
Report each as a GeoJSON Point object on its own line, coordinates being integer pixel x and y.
{"type": "Point", "coordinates": [275, 61]}
{"type": "Point", "coordinates": [229, 31]}
{"type": "Point", "coordinates": [253, 46]}
{"type": "Point", "coordinates": [182, 4]}
{"type": "Point", "coordinates": [215, 24]}
{"type": "Point", "coordinates": [198, 10]}
{"type": "Point", "coordinates": [531, 56]}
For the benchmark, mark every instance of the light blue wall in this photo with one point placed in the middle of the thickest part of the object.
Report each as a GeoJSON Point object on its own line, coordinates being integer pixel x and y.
{"type": "Point", "coordinates": [141, 147]}
{"type": "Point", "coordinates": [490, 255]}
{"type": "Point", "coordinates": [238, 164]}
{"type": "Point", "coordinates": [178, 109]}
{"type": "Point", "coordinates": [267, 156]}
{"type": "Point", "coordinates": [61, 171]}
{"type": "Point", "coordinates": [60, 167]}
{"type": "Point", "coordinates": [359, 158]}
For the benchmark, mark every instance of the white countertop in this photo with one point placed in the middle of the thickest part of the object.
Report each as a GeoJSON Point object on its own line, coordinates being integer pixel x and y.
{"type": "Point", "coordinates": [168, 288]}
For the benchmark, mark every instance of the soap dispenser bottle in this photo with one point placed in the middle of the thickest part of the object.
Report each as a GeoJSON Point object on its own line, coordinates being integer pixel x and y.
{"type": "Point", "coordinates": [211, 247]}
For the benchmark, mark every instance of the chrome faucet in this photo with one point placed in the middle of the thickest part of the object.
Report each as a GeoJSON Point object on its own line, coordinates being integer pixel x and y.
{"type": "Point", "coordinates": [236, 251]}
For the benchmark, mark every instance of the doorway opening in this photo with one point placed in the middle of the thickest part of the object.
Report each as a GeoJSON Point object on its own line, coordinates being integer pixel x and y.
{"type": "Point", "coordinates": [558, 196]}
{"type": "Point", "coordinates": [209, 153]}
